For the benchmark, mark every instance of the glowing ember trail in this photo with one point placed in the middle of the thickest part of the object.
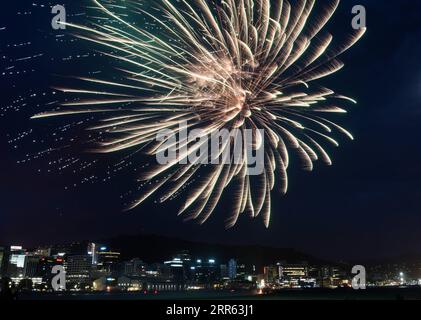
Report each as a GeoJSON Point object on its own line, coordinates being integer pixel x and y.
{"type": "Point", "coordinates": [235, 64]}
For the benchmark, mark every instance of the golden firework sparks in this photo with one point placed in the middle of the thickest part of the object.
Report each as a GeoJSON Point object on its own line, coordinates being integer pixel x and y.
{"type": "Point", "coordinates": [235, 64]}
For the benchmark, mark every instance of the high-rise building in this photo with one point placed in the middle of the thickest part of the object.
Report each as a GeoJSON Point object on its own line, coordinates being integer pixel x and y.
{"type": "Point", "coordinates": [270, 274]}
{"type": "Point", "coordinates": [331, 276]}
{"type": "Point", "coordinates": [206, 272]}
{"type": "Point", "coordinates": [4, 259]}
{"type": "Point", "coordinates": [176, 271]}
{"type": "Point", "coordinates": [224, 271]}
{"type": "Point", "coordinates": [46, 265]}
{"type": "Point", "coordinates": [16, 265]}
{"type": "Point", "coordinates": [293, 271]}
{"type": "Point", "coordinates": [242, 271]}
{"type": "Point", "coordinates": [186, 258]}
{"type": "Point", "coordinates": [32, 265]}
{"type": "Point", "coordinates": [78, 268]}
{"type": "Point", "coordinates": [103, 258]}
{"type": "Point", "coordinates": [93, 249]}
{"type": "Point", "coordinates": [134, 267]}
{"type": "Point", "coordinates": [107, 260]}
{"type": "Point", "coordinates": [232, 269]}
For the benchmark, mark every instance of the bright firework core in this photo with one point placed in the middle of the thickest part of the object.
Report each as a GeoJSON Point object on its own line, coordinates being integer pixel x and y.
{"type": "Point", "coordinates": [219, 86]}
{"type": "Point", "coordinates": [238, 64]}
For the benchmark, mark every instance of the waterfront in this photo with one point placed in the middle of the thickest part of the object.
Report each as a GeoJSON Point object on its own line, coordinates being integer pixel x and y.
{"type": "Point", "coordinates": [413, 293]}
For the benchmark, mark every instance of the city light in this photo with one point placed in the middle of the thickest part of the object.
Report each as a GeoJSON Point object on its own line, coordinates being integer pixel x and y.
{"type": "Point", "coordinates": [180, 273]}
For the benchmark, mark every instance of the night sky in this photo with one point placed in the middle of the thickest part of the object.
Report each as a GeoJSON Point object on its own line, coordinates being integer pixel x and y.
{"type": "Point", "coordinates": [365, 206]}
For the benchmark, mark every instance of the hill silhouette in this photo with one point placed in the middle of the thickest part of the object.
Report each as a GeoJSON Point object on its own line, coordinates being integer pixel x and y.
{"type": "Point", "coordinates": [154, 248]}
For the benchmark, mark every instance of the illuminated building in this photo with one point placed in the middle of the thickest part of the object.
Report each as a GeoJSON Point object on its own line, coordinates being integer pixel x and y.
{"type": "Point", "coordinates": [270, 274]}
{"type": "Point", "coordinates": [185, 257]}
{"type": "Point", "coordinates": [154, 270]}
{"type": "Point", "coordinates": [293, 271]}
{"type": "Point", "coordinates": [232, 269]}
{"type": "Point", "coordinates": [107, 260]}
{"type": "Point", "coordinates": [43, 252]}
{"type": "Point", "coordinates": [31, 267]}
{"type": "Point", "coordinates": [241, 271]}
{"type": "Point", "coordinates": [224, 271]}
{"type": "Point", "coordinates": [155, 285]}
{"type": "Point", "coordinates": [46, 265]}
{"type": "Point", "coordinates": [4, 258]}
{"type": "Point", "coordinates": [176, 271]}
{"type": "Point", "coordinates": [147, 284]}
{"type": "Point", "coordinates": [332, 277]}
{"type": "Point", "coordinates": [180, 269]}
{"type": "Point", "coordinates": [338, 276]}
{"type": "Point", "coordinates": [129, 283]}
{"type": "Point", "coordinates": [206, 272]}
{"type": "Point", "coordinates": [78, 268]}
{"type": "Point", "coordinates": [93, 251]}
{"type": "Point", "coordinates": [16, 265]}
{"type": "Point", "coordinates": [134, 267]}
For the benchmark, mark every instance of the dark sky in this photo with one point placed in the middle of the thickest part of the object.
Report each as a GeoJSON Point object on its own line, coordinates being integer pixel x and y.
{"type": "Point", "coordinates": [366, 205]}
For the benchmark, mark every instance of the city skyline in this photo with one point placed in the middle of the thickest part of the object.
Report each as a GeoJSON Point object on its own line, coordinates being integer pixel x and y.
{"type": "Point", "coordinates": [97, 267]}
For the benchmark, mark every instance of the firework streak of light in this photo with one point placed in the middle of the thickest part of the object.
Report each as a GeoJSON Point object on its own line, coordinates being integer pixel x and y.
{"type": "Point", "coordinates": [238, 64]}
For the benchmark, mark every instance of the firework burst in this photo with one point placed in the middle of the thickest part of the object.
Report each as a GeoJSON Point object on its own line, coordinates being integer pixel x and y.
{"type": "Point", "coordinates": [235, 64]}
